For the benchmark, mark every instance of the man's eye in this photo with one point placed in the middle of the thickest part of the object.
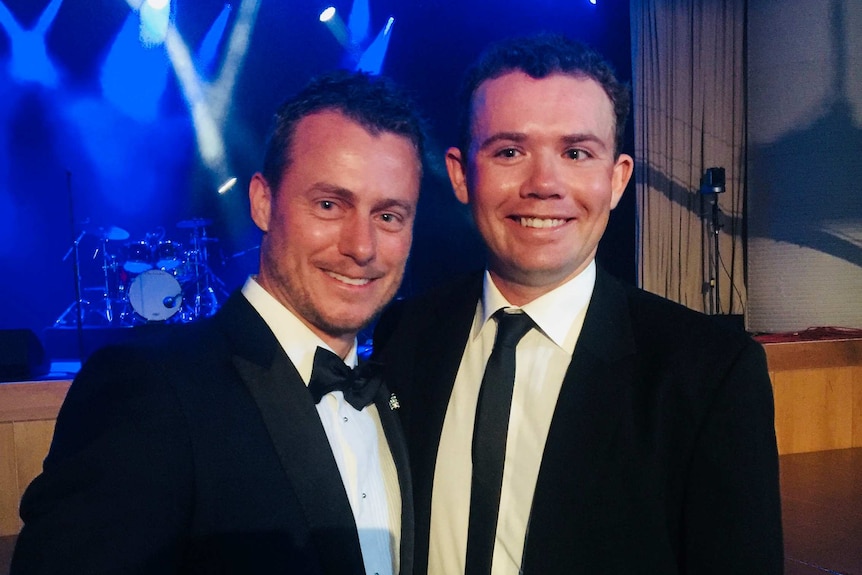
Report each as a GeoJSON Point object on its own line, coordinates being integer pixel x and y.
{"type": "Point", "coordinates": [507, 153]}
{"type": "Point", "coordinates": [576, 154]}
{"type": "Point", "coordinates": [327, 205]}
{"type": "Point", "coordinates": [390, 218]}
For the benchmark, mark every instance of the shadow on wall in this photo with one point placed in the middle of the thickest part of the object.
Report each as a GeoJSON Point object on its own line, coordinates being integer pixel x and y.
{"type": "Point", "coordinates": [807, 190]}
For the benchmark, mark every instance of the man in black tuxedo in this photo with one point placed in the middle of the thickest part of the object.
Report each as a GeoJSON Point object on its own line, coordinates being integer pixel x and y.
{"type": "Point", "coordinates": [204, 452]}
{"type": "Point", "coordinates": [620, 432]}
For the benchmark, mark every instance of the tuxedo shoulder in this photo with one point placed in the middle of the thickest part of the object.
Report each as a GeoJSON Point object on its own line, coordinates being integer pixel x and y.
{"type": "Point", "coordinates": [657, 319]}
{"type": "Point", "coordinates": [469, 285]}
{"type": "Point", "coordinates": [182, 352]}
{"type": "Point", "coordinates": [419, 316]}
{"type": "Point", "coordinates": [435, 300]}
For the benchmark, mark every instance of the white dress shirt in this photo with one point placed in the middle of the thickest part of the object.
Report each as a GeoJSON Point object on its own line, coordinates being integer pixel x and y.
{"type": "Point", "coordinates": [542, 358]}
{"type": "Point", "coordinates": [356, 438]}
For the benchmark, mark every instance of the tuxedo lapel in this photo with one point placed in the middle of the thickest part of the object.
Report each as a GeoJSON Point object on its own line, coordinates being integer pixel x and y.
{"type": "Point", "coordinates": [297, 435]}
{"type": "Point", "coordinates": [437, 359]}
{"type": "Point", "coordinates": [443, 333]}
{"type": "Point", "coordinates": [398, 447]}
{"type": "Point", "coordinates": [579, 449]}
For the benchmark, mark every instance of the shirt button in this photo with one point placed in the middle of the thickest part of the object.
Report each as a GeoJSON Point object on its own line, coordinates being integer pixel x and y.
{"type": "Point", "coordinates": [363, 496]}
{"type": "Point", "coordinates": [345, 420]}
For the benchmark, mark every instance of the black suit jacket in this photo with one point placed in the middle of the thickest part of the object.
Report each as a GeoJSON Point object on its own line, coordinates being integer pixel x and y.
{"type": "Point", "coordinates": [201, 452]}
{"type": "Point", "coordinates": [661, 455]}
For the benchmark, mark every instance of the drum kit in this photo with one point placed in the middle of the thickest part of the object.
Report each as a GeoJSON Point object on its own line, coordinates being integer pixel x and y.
{"type": "Point", "coordinates": [149, 280]}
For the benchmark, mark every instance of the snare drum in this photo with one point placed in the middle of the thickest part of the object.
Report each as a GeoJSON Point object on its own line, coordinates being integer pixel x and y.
{"type": "Point", "coordinates": [155, 295]}
{"type": "Point", "coordinates": [139, 257]}
{"type": "Point", "coordinates": [169, 255]}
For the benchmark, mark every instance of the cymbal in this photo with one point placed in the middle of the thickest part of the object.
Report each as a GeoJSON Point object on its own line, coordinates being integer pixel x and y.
{"type": "Point", "coordinates": [108, 232]}
{"type": "Point", "coordinates": [194, 223]}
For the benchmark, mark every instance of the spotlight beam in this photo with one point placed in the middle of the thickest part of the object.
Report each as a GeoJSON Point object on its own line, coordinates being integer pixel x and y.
{"type": "Point", "coordinates": [210, 144]}
{"type": "Point", "coordinates": [29, 55]}
{"type": "Point", "coordinates": [237, 49]}
{"type": "Point", "coordinates": [47, 17]}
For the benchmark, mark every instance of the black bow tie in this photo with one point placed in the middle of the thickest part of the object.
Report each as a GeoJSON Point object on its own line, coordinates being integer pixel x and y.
{"type": "Point", "coordinates": [330, 374]}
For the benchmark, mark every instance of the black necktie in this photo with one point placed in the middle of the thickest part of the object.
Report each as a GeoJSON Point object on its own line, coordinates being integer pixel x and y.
{"type": "Point", "coordinates": [330, 374]}
{"type": "Point", "coordinates": [489, 440]}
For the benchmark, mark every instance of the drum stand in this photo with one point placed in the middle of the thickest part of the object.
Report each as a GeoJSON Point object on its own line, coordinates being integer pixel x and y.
{"type": "Point", "coordinates": [104, 312]}
{"type": "Point", "coordinates": [76, 307]}
{"type": "Point", "coordinates": [204, 301]}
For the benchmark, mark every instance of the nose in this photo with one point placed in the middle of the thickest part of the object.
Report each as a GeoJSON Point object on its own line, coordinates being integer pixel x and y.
{"type": "Point", "coordinates": [545, 177]}
{"type": "Point", "coordinates": [358, 239]}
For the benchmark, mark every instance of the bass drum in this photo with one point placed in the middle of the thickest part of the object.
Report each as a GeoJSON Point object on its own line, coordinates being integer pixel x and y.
{"type": "Point", "coordinates": [155, 295]}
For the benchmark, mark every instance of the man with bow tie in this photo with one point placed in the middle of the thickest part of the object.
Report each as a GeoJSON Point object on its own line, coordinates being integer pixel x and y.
{"type": "Point", "coordinates": [244, 443]}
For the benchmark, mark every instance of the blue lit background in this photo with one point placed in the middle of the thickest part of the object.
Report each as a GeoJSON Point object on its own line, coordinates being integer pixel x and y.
{"type": "Point", "coordinates": [118, 114]}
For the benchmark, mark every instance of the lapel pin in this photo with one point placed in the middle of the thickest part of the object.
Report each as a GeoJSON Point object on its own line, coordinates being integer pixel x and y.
{"type": "Point", "coordinates": [393, 402]}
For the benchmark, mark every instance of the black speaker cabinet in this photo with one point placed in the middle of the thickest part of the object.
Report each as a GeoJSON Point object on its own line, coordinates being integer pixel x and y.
{"type": "Point", "coordinates": [22, 356]}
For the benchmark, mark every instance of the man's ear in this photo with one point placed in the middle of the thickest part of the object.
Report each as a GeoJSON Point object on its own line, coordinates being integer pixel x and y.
{"type": "Point", "coordinates": [623, 168]}
{"type": "Point", "coordinates": [260, 198]}
{"type": "Point", "coordinates": [457, 168]}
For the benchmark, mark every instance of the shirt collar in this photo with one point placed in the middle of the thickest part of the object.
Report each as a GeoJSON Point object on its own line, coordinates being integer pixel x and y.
{"type": "Point", "coordinates": [556, 312]}
{"type": "Point", "coordinates": [296, 338]}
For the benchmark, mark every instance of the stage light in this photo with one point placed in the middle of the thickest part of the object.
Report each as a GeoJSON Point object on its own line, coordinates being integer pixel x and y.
{"type": "Point", "coordinates": [336, 25]}
{"type": "Point", "coordinates": [155, 18]}
{"type": "Point", "coordinates": [712, 181]}
{"type": "Point", "coordinates": [225, 187]}
{"type": "Point", "coordinates": [327, 14]}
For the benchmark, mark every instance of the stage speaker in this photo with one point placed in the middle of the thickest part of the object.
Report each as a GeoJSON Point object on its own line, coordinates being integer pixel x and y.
{"type": "Point", "coordinates": [22, 356]}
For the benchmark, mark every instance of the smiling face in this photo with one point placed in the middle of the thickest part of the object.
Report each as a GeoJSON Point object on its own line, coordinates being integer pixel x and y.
{"type": "Point", "coordinates": [540, 177]}
{"type": "Point", "coordinates": [338, 228]}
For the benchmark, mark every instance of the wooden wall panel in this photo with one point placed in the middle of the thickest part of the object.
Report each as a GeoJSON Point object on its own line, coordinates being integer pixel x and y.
{"type": "Point", "coordinates": [818, 394]}
{"type": "Point", "coordinates": [813, 409]}
{"type": "Point", "coordinates": [9, 491]}
{"type": "Point", "coordinates": [28, 411]}
{"type": "Point", "coordinates": [857, 405]}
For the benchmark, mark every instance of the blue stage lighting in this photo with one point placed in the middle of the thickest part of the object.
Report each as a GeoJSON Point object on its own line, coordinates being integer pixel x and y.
{"type": "Point", "coordinates": [359, 22]}
{"type": "Point", "coordinates": [371, 60]}
{"type": "Point", "coordinates": [30, 61]}
{"type": "Point", "coordinates": [133, 76]}
{"type": "Point", "coordinates": [209, 46]}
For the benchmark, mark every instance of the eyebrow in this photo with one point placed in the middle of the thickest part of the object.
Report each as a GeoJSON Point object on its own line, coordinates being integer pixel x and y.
{"type": "Point", "coordinates": [351, 197]}
{"type": "Point", "coordinates": [518, 137]}
{"type": "Point", "coordinates": [501, 136]}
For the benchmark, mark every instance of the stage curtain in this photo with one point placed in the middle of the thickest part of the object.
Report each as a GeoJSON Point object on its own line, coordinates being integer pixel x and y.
{"type": "Point", "coordinates": [689, 115]}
